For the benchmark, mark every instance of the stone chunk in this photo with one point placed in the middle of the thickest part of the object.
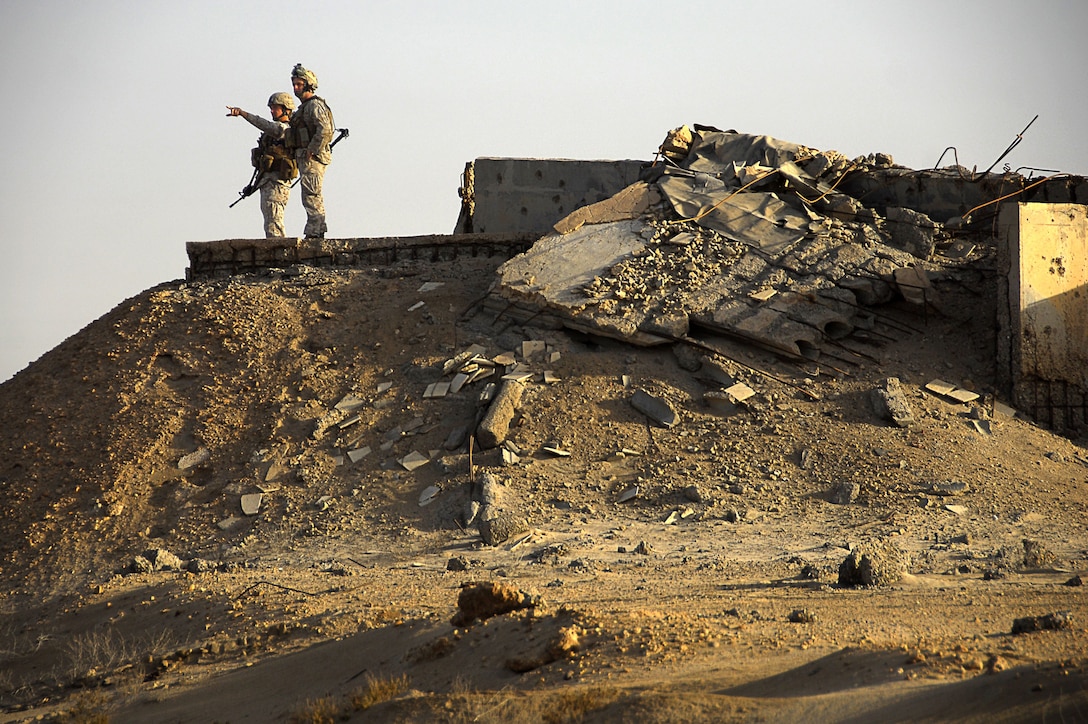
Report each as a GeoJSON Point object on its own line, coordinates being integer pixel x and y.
{"type": "Point", "coordinates": [873, 564]}
{"type": "Point", "coordinates": [1049, 622]}
{"type": "Point", "coordinates": [890, 402]}
{"type": "Point", "coordinates": [502, 528]}
{"type": "Point", "coordinates": [251, 503]}
{"type": "Point", "coordinates": [482, 600]}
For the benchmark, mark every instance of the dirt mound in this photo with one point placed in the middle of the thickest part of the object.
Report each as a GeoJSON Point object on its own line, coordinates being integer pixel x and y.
{"type": "Point", "coordinates": [281, 437]}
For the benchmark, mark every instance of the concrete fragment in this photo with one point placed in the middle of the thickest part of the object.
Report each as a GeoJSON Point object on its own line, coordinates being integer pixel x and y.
{"type": "Point", "coordinates": [890, 402]}
{"type": "Point", "coordinates": [197, 457]}
{"type": "Point", "coordinates": [350, 403]}
{"type": "Point", "coordinates": [655, 408]}
{"type": "Point", "coordinates": [436, 389]}
{"type": "Point", "coordinates": [413, 460]}
{"type": "Point", "coordinates": [495, 424]}
{"type": "Point", "coordinates": [358, 453]}
{"type": "Point", "coordinates": [251, 503]}
{"type": "Point", "coordinates": [630, 203]}
{"type": "Point", "coordinates": [911, 231]}
{"type": "Point", "coordinates": [532, 349]}
{"type": "Point", "coordinates": [739, 392]}
{"type": "Point", "coordinates": [501, 528]}
{"type": "Point", "coordinates": [913, 283]}
{"type": "Point", "coordinates": [719, 402]}
{"type": "Point", "coordinates": [951, 487]}
{"type": "Point", "coordinates": [456, 438]}
{"type": "Point", "coordinates": [428, 495]}
{"type": "Point", "coordinates": [454, 364]}
{"type": "Point", "coordinates": [951, 392]}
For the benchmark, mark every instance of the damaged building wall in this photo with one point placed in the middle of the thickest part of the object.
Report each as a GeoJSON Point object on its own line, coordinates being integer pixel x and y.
{"type": "Point", "coordinates": [522, 195]}
{"type": "Point", "coordinates": [1043, 354]}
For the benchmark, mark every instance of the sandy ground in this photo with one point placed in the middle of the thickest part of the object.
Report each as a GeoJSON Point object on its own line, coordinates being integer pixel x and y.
{"type": "Point", "coordinates": [712, 594]}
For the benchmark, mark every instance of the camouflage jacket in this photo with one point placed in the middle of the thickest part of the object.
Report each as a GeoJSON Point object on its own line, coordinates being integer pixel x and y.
{"type": "Point", "coordinates": [312, 129]}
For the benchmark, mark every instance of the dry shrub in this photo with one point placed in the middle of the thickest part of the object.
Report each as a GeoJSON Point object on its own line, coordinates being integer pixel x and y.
{"type": "Point", "coordinates": [317, 711]}
{"type": "Point", "coordinates": [573, 704]}
{"type": "Point", "coordinates": [86, 708]}
{"type": "Point", "coordinates": [103, 650]}
{"type": "Point", "coordinates": [378, 689]}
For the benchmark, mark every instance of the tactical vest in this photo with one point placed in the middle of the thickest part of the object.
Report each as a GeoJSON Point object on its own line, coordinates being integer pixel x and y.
{"type": "Point", "coordinates": [303, 128]}
{"type": "Point", "coordinates": [272, 155]}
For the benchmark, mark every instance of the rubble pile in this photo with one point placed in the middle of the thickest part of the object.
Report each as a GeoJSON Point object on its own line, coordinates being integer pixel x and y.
{"type": "Point", "coordinates": [737, 234]}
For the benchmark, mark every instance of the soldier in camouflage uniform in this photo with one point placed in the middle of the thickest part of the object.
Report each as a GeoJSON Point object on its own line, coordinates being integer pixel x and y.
{"type": "Point", "coordinates": [309, 137]}
{"type": "Point", "coordinates": [275, 165]}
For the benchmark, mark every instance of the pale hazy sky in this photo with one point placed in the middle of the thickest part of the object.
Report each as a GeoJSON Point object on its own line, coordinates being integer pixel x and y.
{"type": "Point", "coordinates": [117, 150]}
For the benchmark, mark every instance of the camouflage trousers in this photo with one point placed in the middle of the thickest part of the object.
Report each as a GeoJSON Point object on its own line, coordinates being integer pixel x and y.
{"type": "Point", "coordinates": [274, 195]}
{"type": "Point", "coordinates": [311, 177]}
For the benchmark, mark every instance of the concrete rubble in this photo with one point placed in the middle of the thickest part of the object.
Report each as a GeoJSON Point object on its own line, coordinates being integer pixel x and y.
{"type": "Point", "coordinates": [762, 240]}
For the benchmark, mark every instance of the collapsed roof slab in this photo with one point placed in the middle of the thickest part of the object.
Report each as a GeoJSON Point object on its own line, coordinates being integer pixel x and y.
{"type": "Point", "coordinates": [629, 280]}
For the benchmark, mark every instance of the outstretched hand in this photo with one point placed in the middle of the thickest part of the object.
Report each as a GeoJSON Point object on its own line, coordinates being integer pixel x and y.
{"type": "Point", "coordinates": [232, 111]}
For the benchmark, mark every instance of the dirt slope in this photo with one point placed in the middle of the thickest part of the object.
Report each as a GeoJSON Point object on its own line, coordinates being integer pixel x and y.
{"type": "Point", "coordinates": [711, 594]}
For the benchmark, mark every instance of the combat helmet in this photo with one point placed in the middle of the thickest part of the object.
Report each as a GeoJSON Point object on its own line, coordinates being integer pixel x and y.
{"type": "Point", "coordinates": [307, 76]}
{"type": "Point", "coordinates": [282, 99]}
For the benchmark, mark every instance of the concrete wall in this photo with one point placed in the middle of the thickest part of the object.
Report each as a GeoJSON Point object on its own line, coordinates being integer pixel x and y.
{"type": "Point", "coordinates": [944, 194]}
{"type": "Point", "coordinates": [515, 195]}
{"type": "Point", "coordinates": [1043, 349]}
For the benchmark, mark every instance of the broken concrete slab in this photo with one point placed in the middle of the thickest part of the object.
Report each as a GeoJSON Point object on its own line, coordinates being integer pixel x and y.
{"type": "Point", "coordinates": [627, 280]}
{"type": "Point", "coordinates": [657, 409]}
{"type": "Point", "coordinates": [358, 454]}
{"type": "Point", "coordinates": [413, 460]}
{"type": "Point", "coordinates": [951, 392]}
{"type": "Point", "coordinates": [630, 203]}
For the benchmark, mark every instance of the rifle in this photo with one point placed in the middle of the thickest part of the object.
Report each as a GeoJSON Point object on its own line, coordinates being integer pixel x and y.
{"type": "Point", "coordinates": [342, 134]}
{"type": "Point", "coordinates": [248, 189]}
